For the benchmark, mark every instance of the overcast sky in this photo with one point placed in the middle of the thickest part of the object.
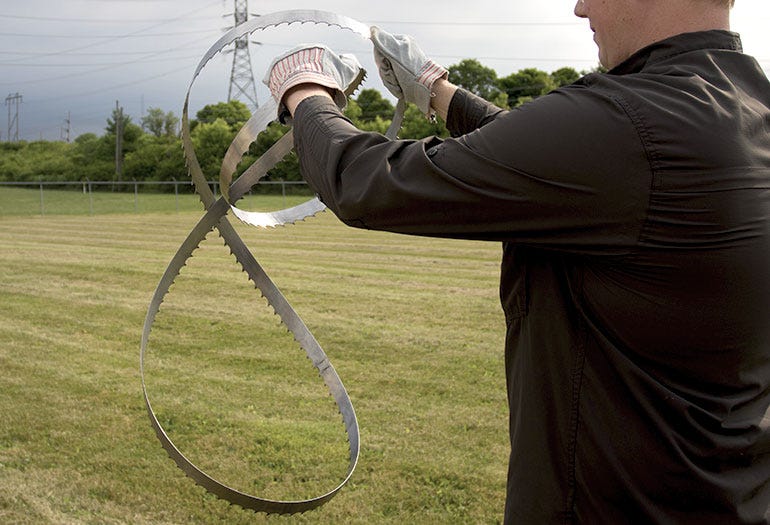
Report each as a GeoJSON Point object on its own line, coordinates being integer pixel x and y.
{"type": "Point", "coordinates": [78, 57]}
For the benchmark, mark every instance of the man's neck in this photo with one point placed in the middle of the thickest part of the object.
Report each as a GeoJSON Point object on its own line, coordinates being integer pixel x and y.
{"type": "Point", "coordinates": [676, 17]}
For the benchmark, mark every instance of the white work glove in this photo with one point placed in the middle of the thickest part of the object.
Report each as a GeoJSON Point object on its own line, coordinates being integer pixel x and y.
{"type": "Point", "coordinates": [311, 64]}
{"type": "Point", "coordinates": [404, 68]}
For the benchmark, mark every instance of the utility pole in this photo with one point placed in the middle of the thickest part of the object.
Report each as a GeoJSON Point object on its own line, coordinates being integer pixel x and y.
{"type": "Point", "coordinates": [118, 141]}
{"type": "Point", "coordinates": [242, 84]}
{"type": "Point", "coordinates": [141, 104]}
{"type": "Point", "coordinates": [13, 123]}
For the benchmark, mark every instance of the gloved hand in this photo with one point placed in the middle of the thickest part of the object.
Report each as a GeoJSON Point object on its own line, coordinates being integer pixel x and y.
{"type": "Point", "coordinates": [404, 68]}
{"type": "Point", "coordinates": [312, 64]}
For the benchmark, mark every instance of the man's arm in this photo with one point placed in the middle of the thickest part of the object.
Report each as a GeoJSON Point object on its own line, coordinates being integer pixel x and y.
{"type": "Point", "coordinates": [442, 94]}
{"type": "Point", "coordinates": [518, 177]}
{"type": "Point", "coordinates": [299, 93]}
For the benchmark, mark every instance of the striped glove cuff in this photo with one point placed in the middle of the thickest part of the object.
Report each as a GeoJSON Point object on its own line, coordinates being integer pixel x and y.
{"type": "Point", "coordinates": [312, 64]}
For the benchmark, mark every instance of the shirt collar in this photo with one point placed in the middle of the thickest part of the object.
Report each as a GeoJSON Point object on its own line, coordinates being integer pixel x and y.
{"type": "Point", "coordinates": [676, 45]}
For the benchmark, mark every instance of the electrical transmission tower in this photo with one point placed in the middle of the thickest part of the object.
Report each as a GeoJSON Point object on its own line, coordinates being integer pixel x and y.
{"type": "Point", "coordinates": [13, 123]}
{"type": "Point", "coordinates": [65, 130]}
{"type": "Point", "coordinates": [242, 84]}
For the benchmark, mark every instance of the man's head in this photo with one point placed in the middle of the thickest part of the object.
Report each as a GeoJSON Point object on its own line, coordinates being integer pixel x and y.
{"type": "Point", "coordinates": [622, 27]}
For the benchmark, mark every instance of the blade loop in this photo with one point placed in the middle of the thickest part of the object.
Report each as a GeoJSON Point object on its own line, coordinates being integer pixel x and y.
{"type": "Point", "coordinates": [215, 218]}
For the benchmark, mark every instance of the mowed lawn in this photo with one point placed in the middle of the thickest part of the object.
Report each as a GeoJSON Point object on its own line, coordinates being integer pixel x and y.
{"type": "Point", "coordinates": [412, 326]}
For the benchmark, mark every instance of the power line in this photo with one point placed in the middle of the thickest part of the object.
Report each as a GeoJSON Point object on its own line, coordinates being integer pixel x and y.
{"type": "Point", "coordinates": [92, 64]}
{"type": "Point", "coordinates": [97, 70]}
{"type": "Point", "coordinates": [153, 26]}
{"type": "Point", "coordinates": [110, 37]}
{"type": "Point", "coordinates": [114, 53]}
{"type": "Point", "coordinates": [383, 22]}
{"type": "Point", "coordinates": [122, 85]}
{"type": "Point", "coordinates": [270, 44]}
{"type": "Point", "coordinates": [479, 23]}
{"type": "Point", "coordinates": [121, 21]}
{"type": "Point", "coordinates": [518, 59]}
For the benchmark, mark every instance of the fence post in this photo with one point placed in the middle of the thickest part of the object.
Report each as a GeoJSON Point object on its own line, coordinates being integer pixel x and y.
{"type": "Point", "coordinates": [283, 191]}
{"type": "Point", "coordinates": [176, 194]}
{"type": "Point", "coordinates": [90, 196]}
{"type": "Point", "coordinates": [42, 202]}
{"type": "Point", "coordinates": [136, 196]}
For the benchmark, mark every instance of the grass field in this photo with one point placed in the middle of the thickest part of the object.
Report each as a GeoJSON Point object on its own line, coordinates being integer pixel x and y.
{"type": "Point", "coordinates": [412, 326]}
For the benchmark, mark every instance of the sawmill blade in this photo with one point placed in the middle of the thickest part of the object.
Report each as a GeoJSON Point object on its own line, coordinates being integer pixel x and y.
{"type": "Point", "coordinates": [215, 218]}
{"type": "Point", "coordinates": [262, 118]}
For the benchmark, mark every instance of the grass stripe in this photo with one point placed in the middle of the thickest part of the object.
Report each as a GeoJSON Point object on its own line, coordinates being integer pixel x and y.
{"type": "Point", "coordinates": [412, 325]}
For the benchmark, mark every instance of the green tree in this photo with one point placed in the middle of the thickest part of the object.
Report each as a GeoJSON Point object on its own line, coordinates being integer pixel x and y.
{"type": "Point", "coordinates": [31, 161]}
{"type": "Point", "coordinates": [564, 76]}
{"type": "Point", "coordinates": [373, 105]}
{"type": "Point", "coordinates": [152, 122]}
{"type": "Point", "coordinates": [287, 168]}
{"type": "Point", "coordinates": [157, 155]}
{"type": "Point", "coordinates": [130, 132]}
{"type": "Point", "coordinates": [93, 156]}
{"type": "Point", "coordinates": [171, 124]}
{"type": "Point", "coordinates": [234, 113]}
{"type": "Point", "coordinates": [353, 111]}
{"type": "Point", "coordinates": [85, 138]}
{"type": "Point", "coordinates": [211, 140]}
{"type": "Point", "coordinates": [159, 123]}
{"type": "Point", "coordinates": [470, 74]}
{"type": "Point", "coordinates": [501, 100]}
{"type": "Point", "coordinates": [112, 120]}
{"type": "Point", "coordinates": [417, 126]}
{"type": "Point", "coordinates": [48, 161]}
{"type": "Point", "coordinates": [526, 84]}
{"type": "Point", "coordinates": [11, 154]}
{"type": "Point", "coordinates": [156, 159]}
{"type": "Point", "coordinates": [379, 124]}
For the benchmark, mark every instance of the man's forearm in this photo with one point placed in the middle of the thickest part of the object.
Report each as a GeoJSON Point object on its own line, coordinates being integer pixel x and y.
{"type": "Point", "coordinates": [299, 93]}
{"type": "Point", "coordinates": [442, 93]}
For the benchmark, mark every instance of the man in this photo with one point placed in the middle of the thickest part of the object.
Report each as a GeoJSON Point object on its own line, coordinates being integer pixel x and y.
{"type": "Point", "coordinates": [634, 212]}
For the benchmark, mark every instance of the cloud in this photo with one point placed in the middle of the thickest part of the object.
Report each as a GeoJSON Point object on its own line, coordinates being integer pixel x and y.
{"type": "Point", "coordinates": [80, 56]}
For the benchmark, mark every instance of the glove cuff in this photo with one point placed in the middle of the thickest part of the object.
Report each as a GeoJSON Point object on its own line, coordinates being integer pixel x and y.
{"type": "Point", "coordinates": [311, 64]}
{"type": "Point", "coordinates": [430, 72]}
{"type": "Point", "coordinates": [314, 78]}
{"type": "Point", "coordinates": [421, 90]}
{"type": "Point", "coordinates": [304, 66]}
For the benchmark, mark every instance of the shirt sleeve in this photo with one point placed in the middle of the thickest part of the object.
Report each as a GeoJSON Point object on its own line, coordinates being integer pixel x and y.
{"type": "Point", "coordinates": [567, 170]}
{"type": "Point", "coordinates": [468, 112]}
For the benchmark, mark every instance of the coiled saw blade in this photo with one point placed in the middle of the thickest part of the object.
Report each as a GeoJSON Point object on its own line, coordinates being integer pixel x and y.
{"type": "Point", "coordinates": [215, 218]}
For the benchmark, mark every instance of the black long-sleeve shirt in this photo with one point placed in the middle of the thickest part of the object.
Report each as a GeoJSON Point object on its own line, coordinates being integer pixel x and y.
{"type": "Point", "coordinates": [634, 212]}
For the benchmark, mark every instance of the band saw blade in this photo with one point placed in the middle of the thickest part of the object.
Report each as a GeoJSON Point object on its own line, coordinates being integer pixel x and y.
{"type": "Point", "coordinates": [215, 218]}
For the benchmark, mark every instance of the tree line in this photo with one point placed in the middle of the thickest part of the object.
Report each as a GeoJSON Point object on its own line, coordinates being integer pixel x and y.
{"type": "Point", "coordinates": [152, 149]}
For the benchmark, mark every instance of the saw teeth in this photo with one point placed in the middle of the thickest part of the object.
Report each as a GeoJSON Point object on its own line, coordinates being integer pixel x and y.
{"type": "Point", "coordinates": [328, 19]}
{"type": "Point", "coordinates": [215, 217]}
